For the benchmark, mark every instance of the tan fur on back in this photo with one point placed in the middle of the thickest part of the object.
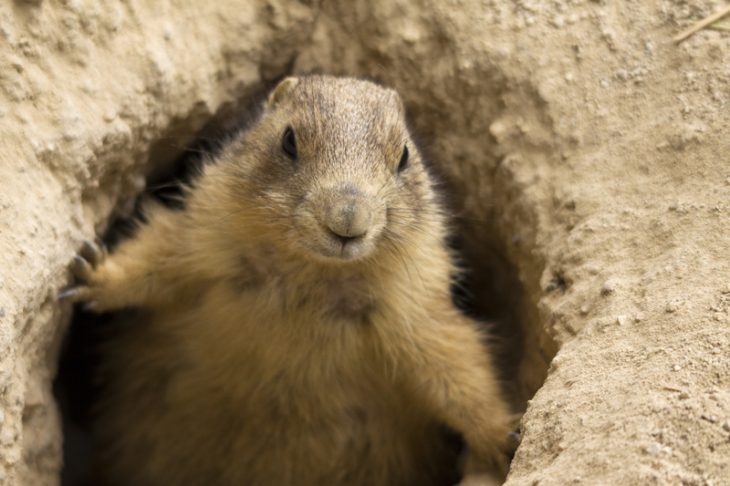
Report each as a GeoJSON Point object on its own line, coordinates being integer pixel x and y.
{"type": "Point", "coordinates": [261, 359]}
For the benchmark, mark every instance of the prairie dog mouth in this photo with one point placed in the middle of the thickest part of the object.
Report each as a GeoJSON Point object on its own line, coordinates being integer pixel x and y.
{"type": "Point", "coordinates": [335, 246]}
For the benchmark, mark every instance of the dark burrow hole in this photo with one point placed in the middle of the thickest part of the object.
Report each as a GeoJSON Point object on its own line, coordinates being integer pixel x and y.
{"type": "Point", "coordinates": [488, 290]}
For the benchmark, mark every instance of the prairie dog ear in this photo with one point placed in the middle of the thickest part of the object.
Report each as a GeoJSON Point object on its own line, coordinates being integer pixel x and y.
{"type": "Point", "coordinates": [282, 89]}
{"type": "Point", "coordinates": [398, 101]}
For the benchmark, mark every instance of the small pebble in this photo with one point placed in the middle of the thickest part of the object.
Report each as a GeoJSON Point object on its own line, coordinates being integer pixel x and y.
{"type": "Point", "coordinates": [676, 368]}
{"type": "Point", "coordinates": [684, 395]}
{"type": "Point", "coordinates": [7, 438]}
{"type": "Point", "coordinates": [672, 306]}
{"type": "Point", "coordinates": [608, 287]}
{"type": "Point", "coordinates": [498, 129]}
{"type": "Point", "coordinates": [726, 426]}
{"type": "Point", "coordinates": [653, 449]}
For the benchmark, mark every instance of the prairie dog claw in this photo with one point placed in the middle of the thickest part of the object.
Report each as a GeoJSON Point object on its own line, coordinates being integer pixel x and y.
{"type": "Point", "coordinates": [90, 283]}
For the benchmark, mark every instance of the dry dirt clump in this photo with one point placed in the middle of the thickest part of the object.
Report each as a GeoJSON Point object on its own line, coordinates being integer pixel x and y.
{"type": "Point", "coordinates": [586, 155]}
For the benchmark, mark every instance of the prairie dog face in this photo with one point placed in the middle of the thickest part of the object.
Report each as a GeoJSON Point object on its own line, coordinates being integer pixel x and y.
{"type": "Point", "coordinates": [335, 173]}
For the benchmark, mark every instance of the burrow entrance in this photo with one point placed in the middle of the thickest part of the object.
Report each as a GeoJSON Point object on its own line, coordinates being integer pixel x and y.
{"type": "Point", "coordinates": [489, 290]}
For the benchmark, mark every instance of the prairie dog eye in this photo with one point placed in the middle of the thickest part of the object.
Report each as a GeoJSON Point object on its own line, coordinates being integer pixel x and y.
{"type": "Point", "coordinates": [289, 143]}
{"type": "Point", "coordinates": [403, 160]}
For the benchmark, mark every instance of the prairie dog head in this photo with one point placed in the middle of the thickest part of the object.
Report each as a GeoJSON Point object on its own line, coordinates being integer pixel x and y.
{"type": "Point", "coordinates": [331, 173]}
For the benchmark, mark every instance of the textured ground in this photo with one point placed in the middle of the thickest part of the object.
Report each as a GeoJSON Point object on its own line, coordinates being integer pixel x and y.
{"type": "Point", "coordinates": [587, 157]}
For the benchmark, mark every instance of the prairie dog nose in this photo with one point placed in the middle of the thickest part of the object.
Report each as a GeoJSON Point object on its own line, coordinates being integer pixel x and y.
{"type": "Point", "coordinates": [349, 216]}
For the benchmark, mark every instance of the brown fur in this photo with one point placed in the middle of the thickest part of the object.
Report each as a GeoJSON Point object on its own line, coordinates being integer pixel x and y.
{"type": "Point", "coordinates": [266, 357]}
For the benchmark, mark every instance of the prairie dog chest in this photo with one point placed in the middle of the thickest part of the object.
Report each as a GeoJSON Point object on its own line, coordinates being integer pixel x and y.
{"type": "Point", "coordinates": [296, 293]}
{"type": "Point", "coordinates": [273, 323]}
{"type": "Point", "coordinates": [294, 361]}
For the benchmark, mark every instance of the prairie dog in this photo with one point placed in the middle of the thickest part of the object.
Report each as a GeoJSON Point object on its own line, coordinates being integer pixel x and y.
{"type": "Point", "coordinates": [299, 327]}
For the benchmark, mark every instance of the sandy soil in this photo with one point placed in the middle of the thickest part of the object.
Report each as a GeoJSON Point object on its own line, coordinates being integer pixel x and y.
{"type": "Point", "coordinates": [586, 155]}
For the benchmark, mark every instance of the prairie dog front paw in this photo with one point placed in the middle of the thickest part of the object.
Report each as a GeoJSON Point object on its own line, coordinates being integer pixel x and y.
{"type": "Point", "coordinates": [99, 282]}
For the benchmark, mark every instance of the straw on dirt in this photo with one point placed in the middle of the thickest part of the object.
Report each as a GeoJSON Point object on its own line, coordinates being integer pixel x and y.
{"type": "Point", "coordinates": [702, 24]}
